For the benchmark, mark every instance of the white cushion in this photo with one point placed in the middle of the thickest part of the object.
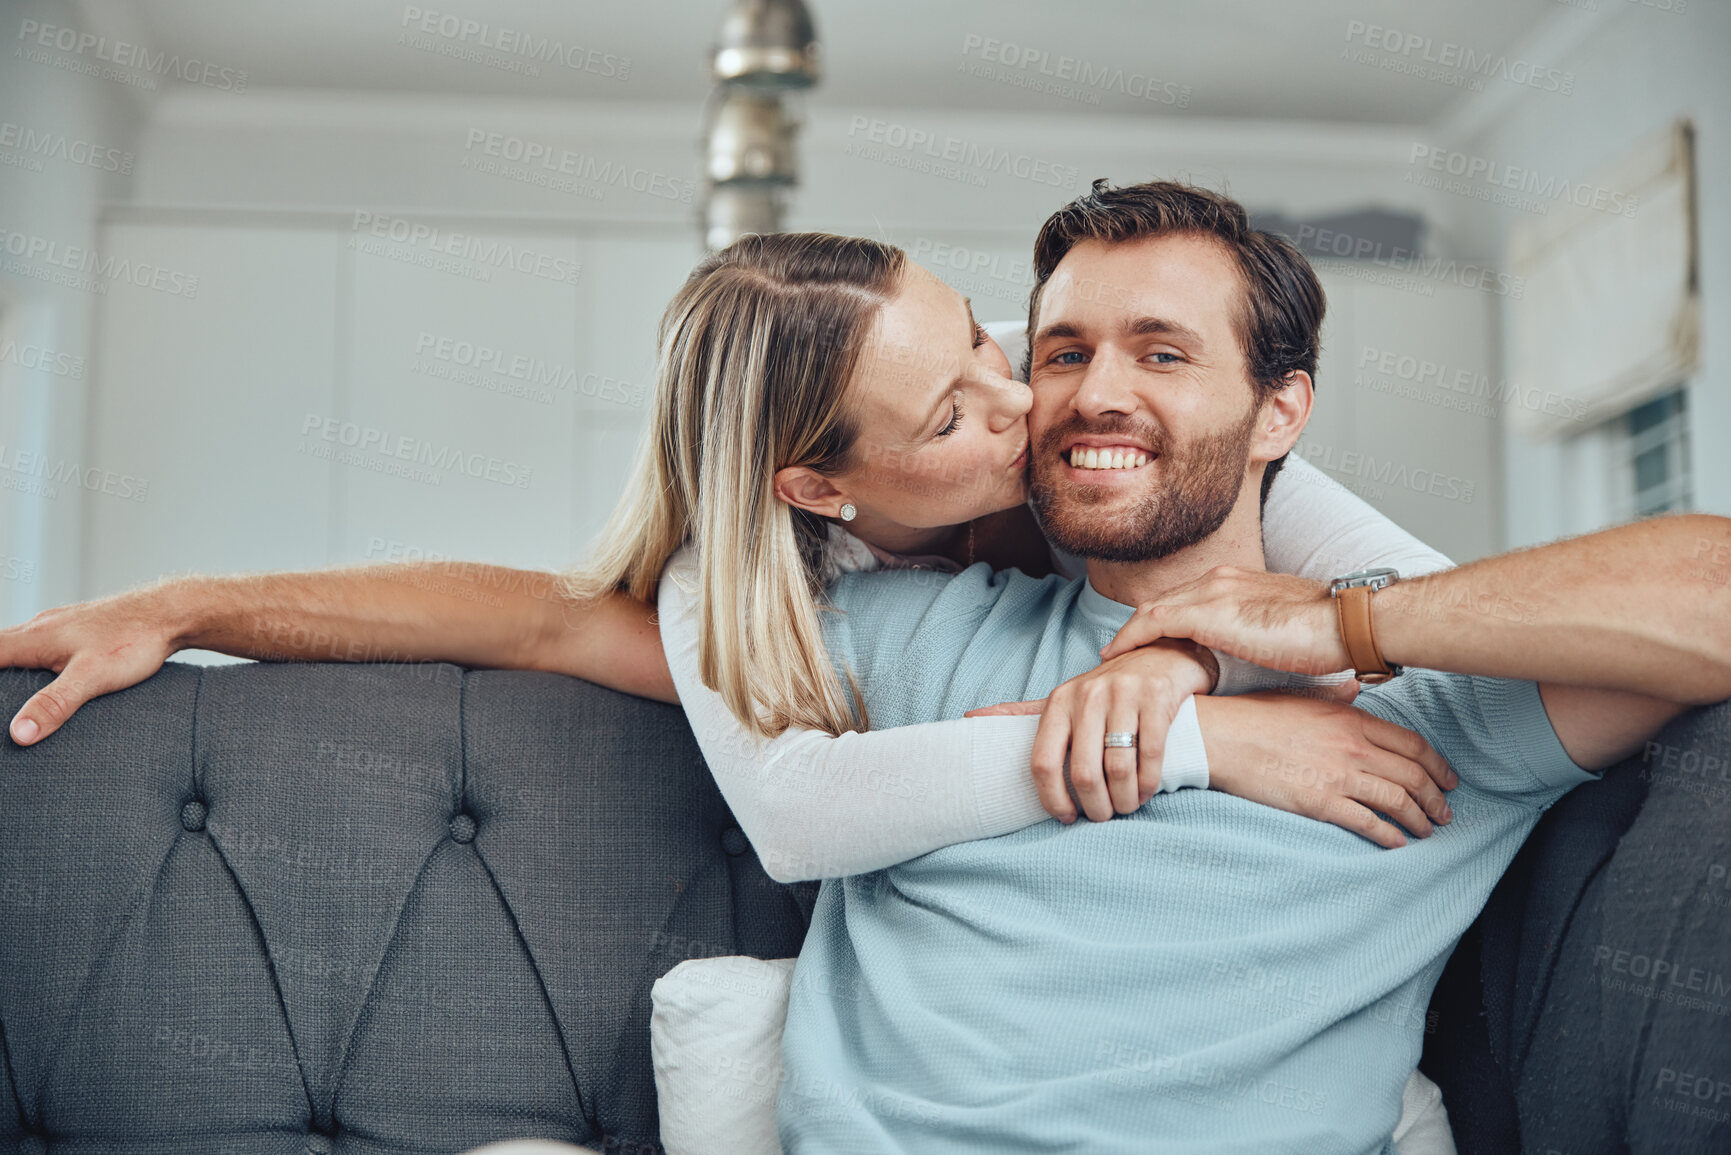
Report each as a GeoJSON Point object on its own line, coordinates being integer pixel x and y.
{"type": "Point", "coordinates": [715, 1040]}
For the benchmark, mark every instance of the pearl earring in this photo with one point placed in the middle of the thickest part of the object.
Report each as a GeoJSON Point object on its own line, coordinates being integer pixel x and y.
{"type": "Point", "coordinates": [848, 512]}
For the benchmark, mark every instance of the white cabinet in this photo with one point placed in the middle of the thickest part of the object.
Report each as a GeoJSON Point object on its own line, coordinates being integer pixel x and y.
{"type": "Point", "coordinates": [1408, 406]}
{"type": "Point", "coordinates": [204, 398]}
{"type": "Point", "coordinates": [454, 438]}
{"type": "Point", "coordinates": [333, 395]}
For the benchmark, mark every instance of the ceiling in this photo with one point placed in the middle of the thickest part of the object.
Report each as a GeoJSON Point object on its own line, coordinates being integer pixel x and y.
{"type": "Point", "coordinates": [1258, 59]}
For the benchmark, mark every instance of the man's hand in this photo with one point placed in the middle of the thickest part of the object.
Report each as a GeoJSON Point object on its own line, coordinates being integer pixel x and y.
{"type": "Point", "coordinates": [1274, 620]}
{"type": "Point", "coordinates": [1325, 760]}
{"type": "Point", "coordinates": [95, 647]}
{"type": "Point", "coordinates": [1139, 692]}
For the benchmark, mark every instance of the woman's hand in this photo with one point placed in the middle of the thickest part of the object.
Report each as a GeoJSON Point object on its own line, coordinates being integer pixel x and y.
{"type": "Point", "coordinates": [95, 647]}
{"type": "Point", "coordinates": [1139, 692]}
{"type": "Point", "coordinates": [1272, 619]}
{"type": "Point", "coordinates": [1325, 760]}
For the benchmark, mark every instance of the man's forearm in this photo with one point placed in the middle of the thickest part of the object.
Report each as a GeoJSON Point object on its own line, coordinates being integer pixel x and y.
{"type": "Point", "coordinates": [1644, 608]}
{"type": "Point", "coordinates": [473, 615]}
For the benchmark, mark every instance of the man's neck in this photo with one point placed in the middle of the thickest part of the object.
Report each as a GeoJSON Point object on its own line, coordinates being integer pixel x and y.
{"type": "Point", "coordinates": [1238, 542]}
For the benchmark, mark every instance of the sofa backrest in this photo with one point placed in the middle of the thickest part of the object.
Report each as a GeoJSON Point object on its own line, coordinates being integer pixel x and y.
{"type": "Point", "coordinates": [334, 907]}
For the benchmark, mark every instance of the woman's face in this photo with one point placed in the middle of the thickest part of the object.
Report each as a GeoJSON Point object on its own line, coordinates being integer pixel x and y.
{"type": "Point", "coordinates": [943, 429]}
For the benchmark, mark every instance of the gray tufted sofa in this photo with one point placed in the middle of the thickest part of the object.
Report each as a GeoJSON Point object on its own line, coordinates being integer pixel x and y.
{"type": "Point", "coordinates": [358, 909]}
{"type": "Point", "coordinates": [355, 909]}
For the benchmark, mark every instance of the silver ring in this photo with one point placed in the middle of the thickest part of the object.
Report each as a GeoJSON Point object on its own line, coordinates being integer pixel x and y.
{"type": "Point", "coordinates": [1120, 739]}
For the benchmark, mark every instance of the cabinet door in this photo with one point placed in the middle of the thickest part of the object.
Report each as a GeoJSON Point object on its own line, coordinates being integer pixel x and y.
{"type": "Point", "coordinates": [463, 375]}
{"type": "Point", "coordinates": [1408, 408]}
{"type": "Point", "coordinates": [631, 280]}
{"type": "Point", "coordinates": [204, 397]}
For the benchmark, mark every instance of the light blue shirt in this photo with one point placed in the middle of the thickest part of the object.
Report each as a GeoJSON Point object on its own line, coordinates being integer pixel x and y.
{"type": "Point", "coordinates": [1204, 975]}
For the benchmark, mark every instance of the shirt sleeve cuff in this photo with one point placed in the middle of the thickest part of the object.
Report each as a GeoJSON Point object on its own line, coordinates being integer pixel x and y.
{"type": "Point", "coordinates": [1186, 761]}
{"type": "Point", "coordinates": [1518, 714]}
{"type": "Point", "coordinates": [1004, 792]}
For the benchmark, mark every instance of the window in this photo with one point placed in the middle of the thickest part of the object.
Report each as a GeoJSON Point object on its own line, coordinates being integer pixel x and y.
{"type": "Point", "coordinates": [1654, 457]}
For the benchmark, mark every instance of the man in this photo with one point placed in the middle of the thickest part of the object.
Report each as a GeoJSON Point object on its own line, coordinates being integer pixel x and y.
{"type": "Point", "coordinates": [1204, 974]}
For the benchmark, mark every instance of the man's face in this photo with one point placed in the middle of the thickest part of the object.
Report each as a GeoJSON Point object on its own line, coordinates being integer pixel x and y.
{"type": "Point", "coordinates": [1144, 425]}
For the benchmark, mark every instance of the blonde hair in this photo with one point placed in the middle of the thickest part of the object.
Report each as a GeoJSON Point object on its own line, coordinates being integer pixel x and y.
{"type": "Point", "coordinates": [755, 354]}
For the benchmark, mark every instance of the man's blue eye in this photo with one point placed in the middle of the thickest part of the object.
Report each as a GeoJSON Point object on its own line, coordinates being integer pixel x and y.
{"type": "Point", "coordinates": [1059, 359]}
{"type": "Point", "coordinates": [1171, 357]}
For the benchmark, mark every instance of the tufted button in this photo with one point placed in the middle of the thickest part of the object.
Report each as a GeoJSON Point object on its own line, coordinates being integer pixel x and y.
{"type": "Point", "coordinates": [734, 841]}
{"type": "Point", "coordinates": [192, 815]}
{"type": "Point", "coordinates": [317, 1145]}
{"type": "Point", "coordinates": [463, 828]}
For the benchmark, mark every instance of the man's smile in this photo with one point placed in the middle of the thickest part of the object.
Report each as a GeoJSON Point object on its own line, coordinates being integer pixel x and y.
{"type": "Point", "coordinates": [1097, 455]}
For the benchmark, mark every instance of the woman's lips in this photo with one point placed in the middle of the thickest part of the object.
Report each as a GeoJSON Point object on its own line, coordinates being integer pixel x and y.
{"type": "Point", "coordinates": [1021, 461]}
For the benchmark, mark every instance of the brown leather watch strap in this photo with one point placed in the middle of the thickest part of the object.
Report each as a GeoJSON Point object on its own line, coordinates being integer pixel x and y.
{"type": "Point", "coordinates": [1360, 638]}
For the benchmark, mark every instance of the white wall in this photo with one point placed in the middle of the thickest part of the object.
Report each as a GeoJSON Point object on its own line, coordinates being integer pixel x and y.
{"type": "Point", "coordinates": [48, 118]}
{"type": "Point", "coordinates": [1642, 65]}
{"type": "Point", "coordinates": [302, 321]}
{"type": "Point", "coordinates": [300, 316]}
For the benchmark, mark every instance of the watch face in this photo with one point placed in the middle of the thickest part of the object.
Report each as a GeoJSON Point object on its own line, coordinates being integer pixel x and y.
{"type": "Point", "coordinates": [1375, 578]}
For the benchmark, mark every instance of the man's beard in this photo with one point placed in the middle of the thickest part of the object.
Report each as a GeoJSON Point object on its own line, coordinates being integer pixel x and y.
{"type": "Point", "coordinates": [1201, 481]}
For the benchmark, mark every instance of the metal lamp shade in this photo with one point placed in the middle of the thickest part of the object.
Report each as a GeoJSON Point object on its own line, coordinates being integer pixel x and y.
{"type": "Point", "coordinates": [767, 44]}
{"type": "Point", "coordinates": [750, 140]}
{"type": "Point", "coordinates": [732, 211]}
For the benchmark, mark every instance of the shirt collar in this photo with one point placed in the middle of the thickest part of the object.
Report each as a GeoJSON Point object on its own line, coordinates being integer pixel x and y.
{"type": "Point", "coordinates": [1102, 609]}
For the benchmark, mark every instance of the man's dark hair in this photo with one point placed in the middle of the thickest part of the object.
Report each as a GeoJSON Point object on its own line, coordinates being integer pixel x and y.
{"type": "Point", "coordinates": [1279, 321]}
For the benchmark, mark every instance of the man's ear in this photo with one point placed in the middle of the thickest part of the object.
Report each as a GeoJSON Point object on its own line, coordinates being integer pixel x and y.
{"type": "Point", "coordinates": [805, 488]}
{"type": "Point", "coordinates": [1282, 417]}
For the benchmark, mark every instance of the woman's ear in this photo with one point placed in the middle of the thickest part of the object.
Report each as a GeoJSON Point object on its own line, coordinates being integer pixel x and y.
{"type": "Point", "coordinates": [805, 488]}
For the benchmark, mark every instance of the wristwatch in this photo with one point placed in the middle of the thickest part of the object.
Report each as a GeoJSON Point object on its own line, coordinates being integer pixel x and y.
{"type": "Point", "coordinates": [1352, 593]}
